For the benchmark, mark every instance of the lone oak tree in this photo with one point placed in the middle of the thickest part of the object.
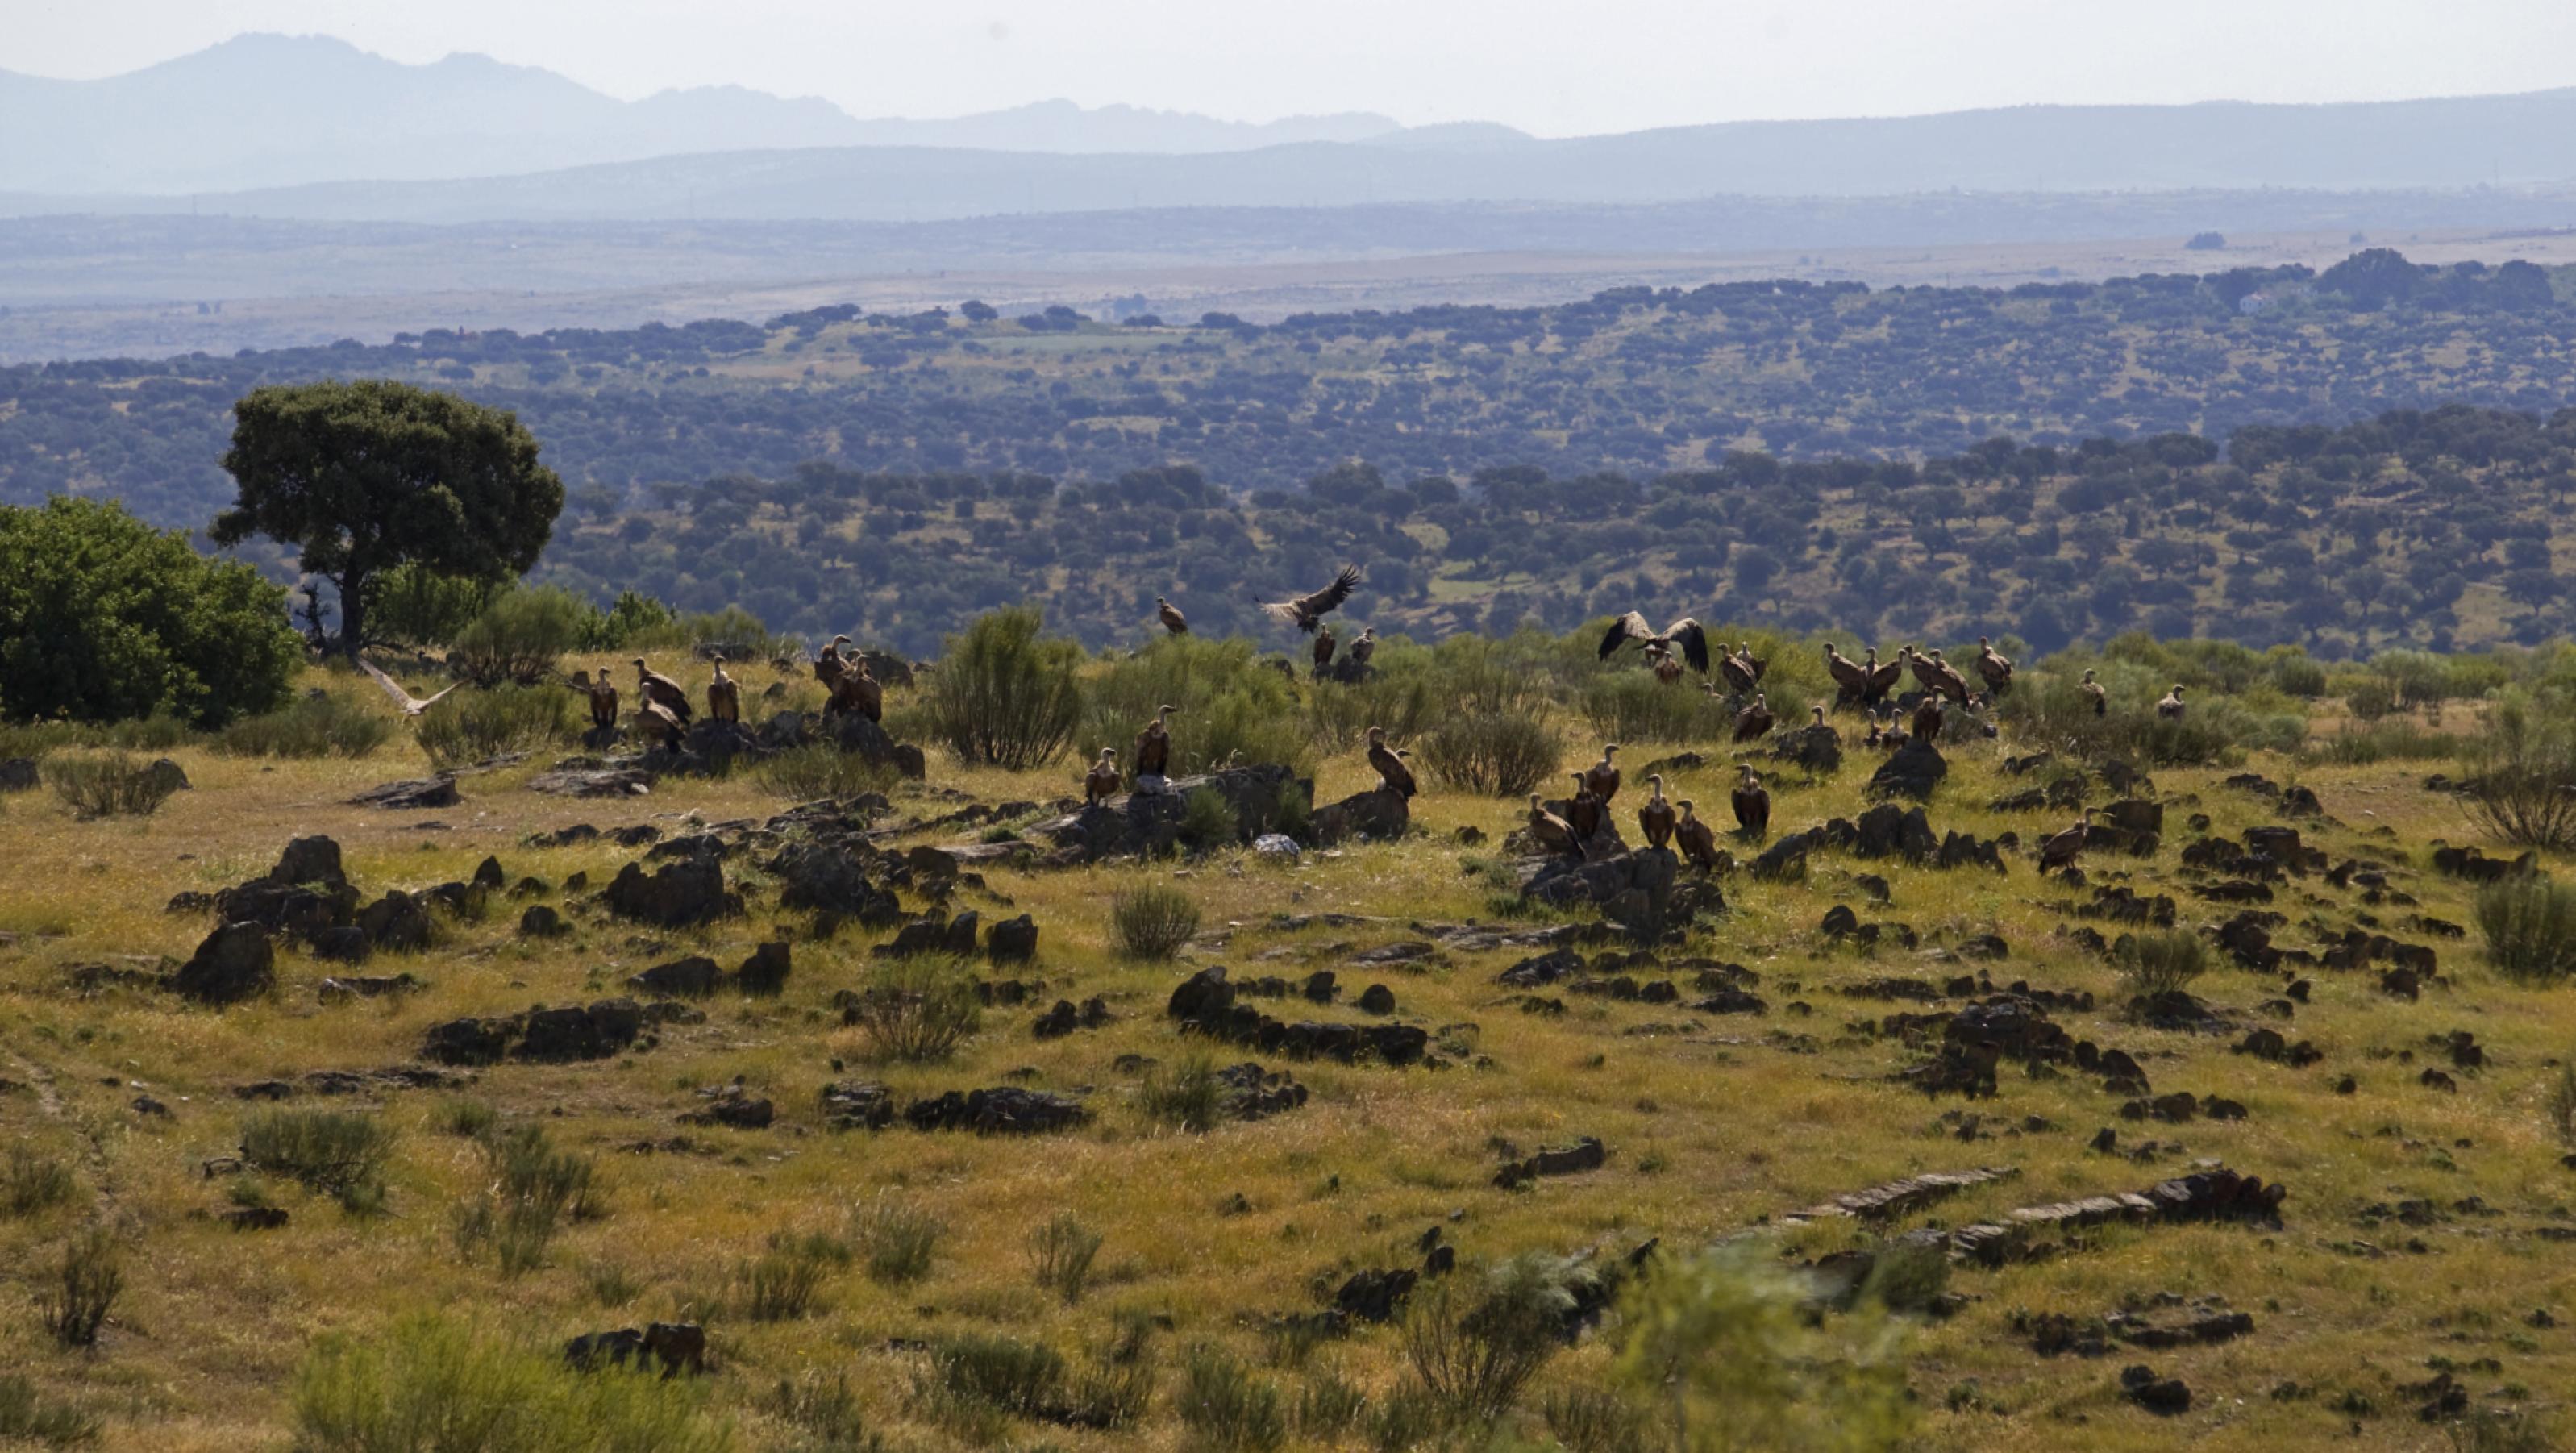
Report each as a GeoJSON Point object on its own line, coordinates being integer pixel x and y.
{"type": "Point", "coordinates": [374, 474]}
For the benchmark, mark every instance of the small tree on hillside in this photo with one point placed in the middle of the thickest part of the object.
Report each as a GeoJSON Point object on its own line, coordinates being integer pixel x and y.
{"type": "Point", "coordinates": [371, 475]}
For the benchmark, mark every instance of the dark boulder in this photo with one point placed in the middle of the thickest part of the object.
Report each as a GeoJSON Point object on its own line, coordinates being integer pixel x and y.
{"type": "Point", "coordinates": [677, 895]}
{"type": "Point", "coordinates": [233, 963]}
{"type": "Point", "coordinates": [693, 977]}
{"type": "Point", "coordinates": [1913, 770]}
{"type": "Point", "coordinates": [17, 774]}
{"type": "Point", "coordinates": [1012, 940]}
{"type": "Point", "coordinates": [593, 782]}
{"type": "Point", "coordinates": [1890, 831]}
{"type": "Point", "coordinates": [409, 796]}
{"type": "Point", "coordinates": [541, 921]}
{"type": "Point", "coordinates": [1007, 1110]}
{"type": "Point", "coordinates": [468, 1041]}
{"type": "Point", "coordinates": [1377, 999]}
{"type": "Point", "coordinates": [397, 922]}
{"type": "Point", "coordinates": [826, 879]}
{"type": "Point", "coordinates": [346, 944]}
{"type": "Point", "coordinates": [765, 972]}
{"type": "Point", "coordinates": [579, 1033]}
{"type": "Point", "coordinates": [1377, 815]}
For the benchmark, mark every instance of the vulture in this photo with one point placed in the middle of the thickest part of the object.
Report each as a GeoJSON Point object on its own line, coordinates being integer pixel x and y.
{"type": "Point", "coordinates": [724, 698]}
{"type": "Point", "coordinates": [828, 664]}
{"type": "Point", "coordinates": [1397, 777]}
{"type": "Point", "coordinates": [2093, 689]}
{"type": "Point", "coordinates": [1602, 778]}
{"type": "Point", "coordinates": [409, 704]}
{"type": "Point", "coordinates": [1101, 782]}
{"type": "Point", "coordinates": [652, 689]}
{"type": "Point", "coordinates": [1307, 612]}
{"type": "Point", "coordinates": [1874, 736]}
{"type": "Point", "coordinates": [1696, 840]}
{"type": "Point", "coordinates": [1324, 644]}
{"type": "Point", "coordinates": [1170, 614]}
{"type": "Point", "coordinates": [1817, 723]}
{"type": "Point", "coordinates": [653, 712]}
{"type": "Point", "coordinates": [1685, 633]}
{"type": "Point", "coordinates": [1584, 812]}
{"type": "Point", "coordinates": [1551, 832]}
{"type": "Point", "coordinates": [1939, 676]}
{"type": "Point", "coordinates": [1667, 666]}
{"type": "Point", "coordinates": [1655, 815]}
{"type": "Point", "coordinates": [857, 691]}
{"type": "Point", "coordinates": [2059, 849]}
{"type": "Point", "coordinates": [1754, 720]}
{"type": "Point", "coordinates": [602, 693]}
{"type": "Point", "coordinates": [1882, 679]}
{"type": "Point", "coordinates": [1849, 675]}
{"type": "Point", "coordinates": [1740, 671]}
{"type": "Point", "coordinates": [1928, 719]}
{"type": "Point", "coordinates": [1365, 646]}
{"type": "Point", "coordinates": [1996, 668]}
{"type": "Point", "coordinates": [1154, 746]}
{"type": "Point", "coordinates": [1752, 804]}
{"type": "Point", "coordinates": [2170, 708]}
{"type": "Point", "coordinates": [1893, 736]}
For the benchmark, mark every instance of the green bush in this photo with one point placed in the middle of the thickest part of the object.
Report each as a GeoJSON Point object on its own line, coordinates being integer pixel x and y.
{"type": "Point", "coordinates": [2398, 739]}
{"type": "Point", "coordinates": [1226, 1408]}
{"type": "Point", "coordinates": [2049, 708]}
{"type": "Point", "coordinates": [916, 1009]}
{"type": "Point", "coordinates": [785, 1282]}
{"type": "Point", "coordinates": [1152, 922]}
{"type": "Point", "coordinates": [431, 1384]}
{"type": "Point", "coordinates": [1328, 1407]}
{"type": "Point", "coordinates": [85, 1289]}
{"type": "Point", "coordinates": [1632, 706]}
{"type": "Point", "coordinates": [2529, 925]}
{"type": "Point", "coordinates": [1230, 709]}
{"type": "Point", "coordinates": [827, 1411]}
{"type": "Point", "coordinates": [1593, 1420]}
{"type": "Point", "coordinates": [521, 635]}
{"type": "Point", "coordinates": [109, 784]}
{"type": "Point", "coordinates": [634, 621]}
{"type": "Point", "coordinates": [1492, 753]}
{"type": "Point", "coordinates": [2520, 771]}
{"type": "Point", "coordinates": [477, 725]}
{"type": "Point", "coordinates": [1003, 695]}
{"type": "Point", "coordinates": [103, 618]}
{"type": "Point", "coordinates": [315, 726]}
{"type": "Point", "coordinates": [1000, 1374]}
{"type": "Point", "coordinates": [412, 605]}
{"type": "Point", "coordinates": [1060, 1256]}
{"type": "Point", "coordinates": [1188, 1097]}
{"type": "Point", "coordinates": [534, 1188]}
{"type": "Point", "coordinates": [1404, 697]}
{"type": "Point", "coordinates": [2159, 961]}
{"type": "Point", "coordinates": [1406, 1418]}
{"type": "Point", "coordinates": [326, 1151]}
{"type": "Point", "coordinates": [25, 1417]}
{"type": "Point", "coordinates": [821, 769]}
{"type": "Point", "coordinates": [1207, 820]}
{"type": "Point", "coordinates": [34, 1182]}
{"type": "Point", "coordinates": [895, 1241]}
{"type": "Point", "coordinates": [1474, 1343]}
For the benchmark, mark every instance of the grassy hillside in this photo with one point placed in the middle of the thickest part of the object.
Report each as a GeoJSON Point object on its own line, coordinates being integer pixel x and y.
{"type": "Point", "coordinates": [2418, 1250]}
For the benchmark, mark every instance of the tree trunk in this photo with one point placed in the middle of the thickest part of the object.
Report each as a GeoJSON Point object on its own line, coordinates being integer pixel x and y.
{"type": "Point", "coordinates": [352, 614]}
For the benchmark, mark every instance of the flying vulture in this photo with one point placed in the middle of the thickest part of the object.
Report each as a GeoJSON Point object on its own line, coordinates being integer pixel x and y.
{"type": "Point", "coordinates": [1685, 633]}
{"type": "Point", "coordinates": [407, 703]}
{"type": "Point", "coordinates": [1307, 612]}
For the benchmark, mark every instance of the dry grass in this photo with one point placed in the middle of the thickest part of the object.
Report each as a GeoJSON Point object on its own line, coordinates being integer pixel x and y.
{"type": "Point", "coordinates": [1713, 1124]}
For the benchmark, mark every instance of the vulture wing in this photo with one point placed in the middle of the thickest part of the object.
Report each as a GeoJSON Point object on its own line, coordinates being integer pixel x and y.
{"type": "Point", "coordinates": [1306, 610]}
{"type": "Point", "coordinates": [411, 705]}
{"type": "Point", "coordinates": [1686, 632]}
{"type": "Point", "coordinates": [1629, 627]}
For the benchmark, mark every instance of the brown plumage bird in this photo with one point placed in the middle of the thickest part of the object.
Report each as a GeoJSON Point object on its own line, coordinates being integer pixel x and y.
{"type": "Point", "coordinates": [1752, 804]}
{"type": "Point", "coordinates": [1307, 612]}
{"type": "Point", "coordinates": [1584, 812]}
{"type": "Point", "coordinates": [1873, 736]}
{"type": "Point", "coordinates": [2094, 690]}
{"type": "Point", "coordinates": [2061, 849]}
{"type": "Point", "coordinates": [602, 693]}
{"type": "Point", "coordinates": [1882, 679]}
{"type": "Point", "coordinates": [1365, 646]}
{"type": "Point", "coordinates": [1685, 633]}
{"type": "Point", "coordinates": [1893, 735]}
{"type": "Point", "coordinates": [1738, 671]}
{"type": "Point", "coordinates": [1997, 669]}
{"type": "Point", "coordinates": [1102, 782]}
{"type": "Point", "coordinates": [724, 698]}
{"type": "Point", "coordinates": [1944, 677]}
{"type": "Point", "coordinates": [1927, 720]}
{"type": "Point", "coordinates": [404, 701]}
{"type": "Point", "coordinates": [1667, 666]}
{"type": "Point", "coordinates": [1850, 677]}
{"type": "Point", "coordinates": [1753, 721]}
{"type": "Point", "coordinates": [651, 686]}
{"type": "Point", "coordinates": [1324, 644]}
{"type": "Point", "coordinates": [857, 692]}
{"type": "Point", "coordinates": [1601, 779]}
{"type": "Point", "coordinates": [655, 715]}
{"type": "Point", "coordinates": [1171, 617]}
{"type": "Point", "coordinates": [1391, 771]}
{"type": "Point", "coordinates": [828, 664]}
{"type": "Point", "coordinates": [1655, 816]}
{"type": "Point", "coordinates": [1550, 832]}
{"type": "Point", "coordinates": [2171, 707]}
{"type": "Point", "coordinates": [1154, 746]}
{"type": "Point", "coordinates": [1696, 839]}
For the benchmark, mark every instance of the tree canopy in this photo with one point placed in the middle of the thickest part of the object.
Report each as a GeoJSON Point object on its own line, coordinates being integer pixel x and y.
{"type": "Point", "coordinates": [375, 474]}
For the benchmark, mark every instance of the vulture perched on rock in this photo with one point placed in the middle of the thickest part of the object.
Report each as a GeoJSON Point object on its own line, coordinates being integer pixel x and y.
{"type": "Point", "coordinates": [1154, 746]}
{"type": "Point", "coordinates": [1324, 644]}
{"type": "Point", "coordinates": [1927, 719]}
{"type": "Point", "coordinates": [404, 701]}
{"type": "Point", "coordinates": [1753, 721]}
{"type": "Point", "coordinates": [1850, 677]}
{"type": "Point", "coordinates": [828, 664]}
{"type": "Point", "coordinates": [857, 691]}
{"type": "Point", "coordinates": [1307, 612]}
{"type": "Point", "coordinates": [1997, 669]}
{"type": "Point", "coordinates": [1584, 812]}
{"type": "Point", "coordinates": [1102, 781]}
{"type": "Point", "coordinates": [1685, 633]}
{"type": "Point", "coordinates": [1940, 676]}
{"type": "Point", "coordinates": [653, 714]}
{"type": "Point", "coordinates": [1741, 671]}
{"type": "Point", "coordinates": [724, 698]}
{"type": "Point", "coordinates": [1655, 816]}
{"type": "Point", "coordinates": [2171, 707]}
{"type": "Point", "coordinates": [1365, 646]}
{"type": "Point", "coordinates": [2094, 691]}
{"type": "Point", "coordinates": [1882, 679]}
{"type": "Point", "coordinates": [1696, 839]}
{"type": "Point", "coordinates": [1550, 832]}
{"type": "Point", "coordinates": [1752, 804]}
{"type": "Point", "coordinates": [2060, 849]}
{"type": "Point", "coordinates": [1391, 771]}
{"type": "Point", "coordinates": [1601, 779]}
{"type": "Point", "coordinates": [602, 693]}
{"type": "Point", "coordinates": [653, 688]}
{"type": "Point", "coordinates": [1171, 617]}
{"type": "Point", "coordinates": [1893, 735]}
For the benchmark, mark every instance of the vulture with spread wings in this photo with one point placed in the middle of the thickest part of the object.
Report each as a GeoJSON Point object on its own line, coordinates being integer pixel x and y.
{"type": "Point", "coordinates": [1307, 612]}
{"type": "Point", "coordinates": [1685, 633]}
{"type": "Point", "coordinates": [409, 704]}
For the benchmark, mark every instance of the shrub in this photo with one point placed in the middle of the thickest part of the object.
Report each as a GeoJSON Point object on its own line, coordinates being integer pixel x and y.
{"type": "Point", "coordinates": [103, 618]}
{"type": "Point", "coordinates": [477, 725]}
{"type": "Point", "coordinates": [998, 1374]}
{"type": "Point", "coordinates": [1592, 1420]}
{"type": "Point", "coordinates": [520, 636]}
{"type": "Point", "coordinates": [534, 1188]}
{"type": "Point", "coordinates": [1632, 706]}
{"type": "Point", "coordinates": [2394, 739]}
{"type": "Point", "coordinates": [1474, 1344]}
{"type": "Point", "coordinates": [1060, 1256]}
{"type": "Point", "coordinates": [2159, 961]}
{"type": "Point", "coordinates": [34, 1182]}
{"type": "Point", "coordinates": [821, 769]}
{"type": "Point", "coordinates": [916, 1009]}
{"type": "Point", "coordinates": [2529, 925]}
{"type": "Point", "coordinates": [785, 1282]}
{"type": "Point", "coordinates": [1230, 708]}
{"type": "Point", "coordinates": [316, 726]}
{"type": "Point", "coordinates": [326, 1151]}
{"type": "Point", "coordinates": [1405, 1419]}
{"type": "Point", "coordinates": [1493, 753]}
{"type": "Point", "coordinates": [1207, 820]}
{"type": "Point", "coordinates": [2559, 1109]}
{"type": "Point", "coordinates": [412, 605]}
{"type": "Point", "coordinates": [470, 1118]}
{"type": "Point", "coordinates": [2520, 771]}
{"type": "Point", "coordinates": [827, 1411]}
{"type": "Point", "coordinates": [1908, 1277]}
{"type": "Point", "coordinates": [895, 1241]}
{"type": "Point", "coordinates": [430, 1384]}
{"type": "Point", "coordinates": [1189, 1097]}
{"type": "Point", "coordinates": [86, 1288]}
{"type": "Point", "coordinates": [1152, 922]}
{"type": "Point", "coordinates": [25, 1417]}
{"type": "Point", "coordinates": [1225, 1407]}
{"type": "Point", "coordinates": [109, 784]}
{"type": "Point", "coordinates": [1328, 1407]}
{"type": "Point", "coordinates": [1003, 696]}
{"type": "Point", "coordinates": [1403, 698]}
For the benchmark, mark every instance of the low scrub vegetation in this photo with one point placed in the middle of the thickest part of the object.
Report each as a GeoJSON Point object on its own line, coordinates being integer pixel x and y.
{"type": "Point", "coordinates": [331, 1152]}
{"type": "Point", "coordinates": [2529, 926]}
{"type": "Point", "coordinates": [34, 1182]}
{"type": "Point", "coordinates": [1060, 1256]}
{"type": "Point", "coordinates": [321, 725]}
{"type": "Point", "coordinates": [1492, 753]}
{"type": "Point", "coordinates": [478, 725]}
{"type": "Point", "coordinates": [110, 784]}
{"type": "Point", "coordinates": [89, 1279]}
{"type": "Point", "coordinates": [895, 1241]}
{"type": "Point", "coordinates": [27, 1417]}
{"type": "Point", "coordinates": [1152, 922]}
{"type": "Point", "coordinates": [821, 769]}
{"type": "Point", "coordinates": [2159, 961]}
{"type": "Point", "coordinates": [916, 1009]}
{"type": "Point", "coordinates": [1004, 694]}
{"type": "Point", "coordinates": [2521, 771]}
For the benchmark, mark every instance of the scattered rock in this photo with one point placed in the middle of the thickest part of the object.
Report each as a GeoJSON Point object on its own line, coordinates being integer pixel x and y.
{"type": "Point", "coordinates": [234, 963]}
{"type": "Point", "coordinates": [1583, 1155]}
{"type": "Point", "coordinates": [1003, 1111]}
{"type": "Point", "coordinates": [414, 795]}
{"type": "Point", "coordinates": [679, 894]}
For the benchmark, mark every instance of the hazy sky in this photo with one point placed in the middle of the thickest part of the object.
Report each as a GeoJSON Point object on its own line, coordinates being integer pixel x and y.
{"type": "Point", "coordinates": [1556, 67]}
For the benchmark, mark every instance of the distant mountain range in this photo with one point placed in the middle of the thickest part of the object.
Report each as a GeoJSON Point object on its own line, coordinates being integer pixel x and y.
{"type": "Point", "coordinates": [309, 128]}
